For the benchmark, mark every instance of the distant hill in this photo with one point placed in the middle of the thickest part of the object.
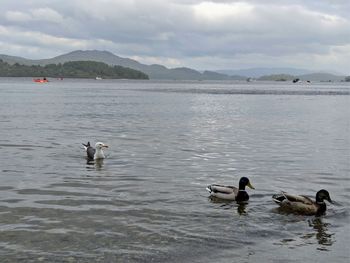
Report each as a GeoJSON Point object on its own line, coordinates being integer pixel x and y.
{"type": "Point", "coordinates": [284, 74]}
{"type": "Point", "coordinates": [278, 77]}
{"type": "Point", "coordinates": [322, 77]}
{"type": "Point", "coordinates": [212, 75]}
{"type": "Point", "coordinates": [259, 72]}
{"type": "Point", "coordinates": [73, 69]}
{"type": "Point", "coordinates": [307, 77]}
{"type": "Point", "coordinates": [153, 71]}
{"type": "Point", "coordinates": [160, 72]}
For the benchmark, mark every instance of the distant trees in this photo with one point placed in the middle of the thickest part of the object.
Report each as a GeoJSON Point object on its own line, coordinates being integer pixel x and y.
{"type": "Point", "coordinates": [277, 77]}
{"type": "Point", "coordinates": [74, 69]}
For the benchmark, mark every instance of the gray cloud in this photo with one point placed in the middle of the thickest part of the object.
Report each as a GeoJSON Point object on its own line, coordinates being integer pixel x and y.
{"type": "Point", "coordinates": [199, 34]}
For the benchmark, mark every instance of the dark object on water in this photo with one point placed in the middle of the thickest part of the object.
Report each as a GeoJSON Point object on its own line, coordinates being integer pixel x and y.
{"type": "Point", "coordinates": [90, 151]}
{"type": "Point", "coordinates": [300, 204]}
{"type": "Point", "coordinates": [296, 80]}
{"type": "Point", "coordinates": [231, 193]}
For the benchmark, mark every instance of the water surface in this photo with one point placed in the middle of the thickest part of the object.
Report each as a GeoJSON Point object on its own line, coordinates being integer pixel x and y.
{"type": "Point", "coordinates": [167, 141]}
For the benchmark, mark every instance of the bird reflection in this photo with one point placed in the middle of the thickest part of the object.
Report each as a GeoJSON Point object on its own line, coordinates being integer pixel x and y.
{"type": "Point", "coordinates": [98, 163]}
{"type": "Point", "coordinates": [241, 208]}
{"type": "Point", "coordinates": [324, 238]}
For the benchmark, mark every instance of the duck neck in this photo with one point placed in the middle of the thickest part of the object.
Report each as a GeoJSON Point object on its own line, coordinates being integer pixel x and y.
{"type": "Point", "coordinates": [241, 186]}
{"type": "Point", "coordinates": [321, 208]}
{"type": "Point", "coordinates": [242, 195]}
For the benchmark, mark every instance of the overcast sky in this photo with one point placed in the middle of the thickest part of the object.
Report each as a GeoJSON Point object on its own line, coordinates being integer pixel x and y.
{"type": "Point", "coordinates": [218, 34]}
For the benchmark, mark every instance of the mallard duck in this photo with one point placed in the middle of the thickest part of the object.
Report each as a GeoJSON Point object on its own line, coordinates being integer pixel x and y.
{"type": "Point", "coordinates": [231, 193]}
{"type": "Point", "coordinates": [301, 204]}
{"type": "Point", "coordinates": [94, 154]}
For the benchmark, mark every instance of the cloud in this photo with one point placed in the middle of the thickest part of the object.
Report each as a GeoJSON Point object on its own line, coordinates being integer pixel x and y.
{"type": "Point", "coordinates": [39, 14]}
{"type": "Point", "coordinates": [192, 33]}
{"type": "Point", "coordinates": [218, 12]}
{"type": "Point", "coordinates": [16, 16]}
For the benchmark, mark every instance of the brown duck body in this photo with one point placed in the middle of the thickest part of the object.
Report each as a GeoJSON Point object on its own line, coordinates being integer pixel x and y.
{"type": "Point", "coordinates": [300, 204]}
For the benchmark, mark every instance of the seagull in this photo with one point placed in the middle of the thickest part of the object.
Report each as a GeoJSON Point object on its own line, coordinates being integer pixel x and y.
{"type": "Point", "coordinates": [95, 154]}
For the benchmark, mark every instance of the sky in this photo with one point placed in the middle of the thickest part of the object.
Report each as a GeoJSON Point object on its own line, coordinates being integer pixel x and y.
{"type": "Point", "coordinates": [217, 34]}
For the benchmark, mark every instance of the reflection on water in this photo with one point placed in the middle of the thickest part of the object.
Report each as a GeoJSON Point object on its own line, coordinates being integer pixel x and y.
{"type": "Point", "coordinates": [98, 163]}
{"type": "Point", "coordinates": [322, 233]}
{"type": "Point", "coordinates": [241, 208]}
{"type": "Point", "coordinates": [229, 205]}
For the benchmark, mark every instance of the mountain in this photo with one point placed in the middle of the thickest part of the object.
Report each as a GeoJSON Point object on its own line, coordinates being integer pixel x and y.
{"type": "Point", "coordinates": [284, 74]}
{"type": "Point", "coordinates": [324, 77]}
{"type": "Point", "coordinates": [277, 77]}
{"type": "Point", "coordinates": [73, 69]}
{"type": "Point", "coordinates": [259, 72]}
{"type": "Point", "coordinates": [153, 71]}
{"type": "Point", "coordinates": [212, 75]}
{"type": "Point", "coordinates": [13, 60]}
{"type": "Point", "coordinates": [321, 77]}
{"type": "Point", "coordinates": [160, 72]}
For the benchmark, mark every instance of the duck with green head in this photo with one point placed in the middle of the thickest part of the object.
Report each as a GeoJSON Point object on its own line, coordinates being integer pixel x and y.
{"type": "Point", "coordinates": [231, 193]}
{"type": "Point", "coordinates": [300, 204]}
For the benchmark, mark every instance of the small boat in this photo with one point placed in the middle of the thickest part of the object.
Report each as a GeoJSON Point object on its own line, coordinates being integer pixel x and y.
{"type": "Point", "coordinates": [44, 80]}
{"type": "Point", "coordinates": [98, 78]}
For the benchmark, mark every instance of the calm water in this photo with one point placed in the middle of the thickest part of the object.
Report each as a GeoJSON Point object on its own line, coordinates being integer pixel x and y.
{"type": "Point", "coordinates": [147, 201]}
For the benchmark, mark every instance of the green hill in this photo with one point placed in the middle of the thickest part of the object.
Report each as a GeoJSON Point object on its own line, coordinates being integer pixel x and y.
{"type": "Point", "coordinates": [74, 69]}
{"type": "Point", "coordinates": [277, 77]}
{"type": "Point", "coordinates": [153, 71]}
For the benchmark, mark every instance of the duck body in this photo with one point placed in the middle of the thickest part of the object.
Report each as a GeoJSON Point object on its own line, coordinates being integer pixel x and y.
{"type": "Point", "coordinates": [230, 193]}
{"type": "Point", "coordinates": [301, 204]}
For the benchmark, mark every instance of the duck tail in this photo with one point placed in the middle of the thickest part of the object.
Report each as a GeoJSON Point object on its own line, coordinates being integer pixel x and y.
{"type": "Point", "coordinates": [86, 145]}
{"type": "Point", "coordinates": [278, 198]}
{"type": "Point", "coordinates": [209, 188]}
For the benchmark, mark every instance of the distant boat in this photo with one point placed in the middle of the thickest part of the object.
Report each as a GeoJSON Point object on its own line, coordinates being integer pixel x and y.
{"type": "Point", "coordinates": [98, 78]}
{"type": "Point", "coordinates": [43, 80]}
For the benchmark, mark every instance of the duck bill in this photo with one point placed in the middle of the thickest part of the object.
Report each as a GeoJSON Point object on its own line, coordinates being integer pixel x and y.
{"type": "Point", "coordinates": [330, 200]}
{"type": "Point", "coordinates": [250, 185]}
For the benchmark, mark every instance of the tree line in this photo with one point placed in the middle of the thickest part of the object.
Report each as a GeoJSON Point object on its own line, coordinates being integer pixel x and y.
{"type": "Point", "coordinates": [73, 69]}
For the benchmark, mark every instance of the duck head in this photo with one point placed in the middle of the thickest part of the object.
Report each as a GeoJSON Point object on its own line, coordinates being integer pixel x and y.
{"type": "Point", "coordinates": [323, 195]}
{"type": "Point", "coordinates": [243, 182]}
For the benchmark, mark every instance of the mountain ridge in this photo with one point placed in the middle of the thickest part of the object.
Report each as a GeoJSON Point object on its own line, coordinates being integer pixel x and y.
{"type": "Point", "coordinates": [156, 71]}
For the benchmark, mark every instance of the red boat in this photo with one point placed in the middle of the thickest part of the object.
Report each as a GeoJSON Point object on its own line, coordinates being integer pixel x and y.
{"type": "Point", "coordinates": [44, 80]}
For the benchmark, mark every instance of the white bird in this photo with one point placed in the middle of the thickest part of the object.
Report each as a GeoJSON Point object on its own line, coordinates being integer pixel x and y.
{"type": "Point", "coordinates": [95, 153]}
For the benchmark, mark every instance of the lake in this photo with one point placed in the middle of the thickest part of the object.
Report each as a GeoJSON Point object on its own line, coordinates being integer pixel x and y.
{"type": "Point", "coordinates": [147, 202]}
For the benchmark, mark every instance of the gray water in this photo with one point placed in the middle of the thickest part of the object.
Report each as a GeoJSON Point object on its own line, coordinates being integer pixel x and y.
{"type": "Point", "coordinates": [167, 141]}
